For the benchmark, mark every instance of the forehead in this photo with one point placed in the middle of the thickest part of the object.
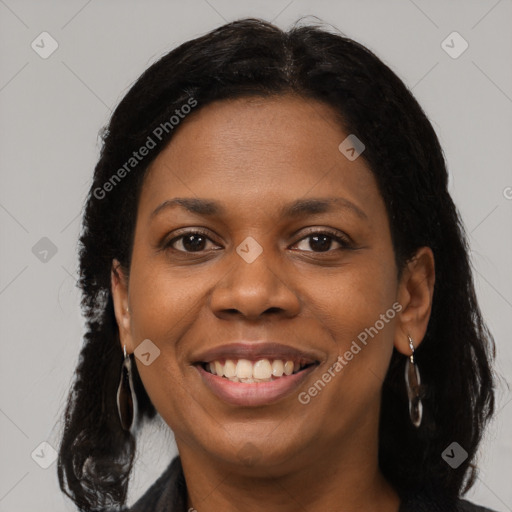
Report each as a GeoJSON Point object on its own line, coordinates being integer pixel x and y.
{"type": "Point", "coordinates": [258, 151]}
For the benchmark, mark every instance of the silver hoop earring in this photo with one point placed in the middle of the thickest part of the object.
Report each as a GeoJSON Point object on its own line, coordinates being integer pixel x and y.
{"type": "Point", "coordinates": [125, 395]}
{"type": "Point", "coordinates": [413, 385]}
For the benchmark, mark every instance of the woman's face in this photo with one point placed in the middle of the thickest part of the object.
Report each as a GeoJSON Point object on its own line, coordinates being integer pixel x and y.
{"type": "Point", "coordinates": [262, 272]}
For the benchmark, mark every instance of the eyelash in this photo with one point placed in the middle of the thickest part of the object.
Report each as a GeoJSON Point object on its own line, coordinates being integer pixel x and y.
{"type": "Point", "coordinates": [344, 241]}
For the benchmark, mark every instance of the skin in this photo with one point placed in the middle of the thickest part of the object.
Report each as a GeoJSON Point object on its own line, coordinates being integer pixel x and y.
{"type": "Point", "coordinates": [254, 155]}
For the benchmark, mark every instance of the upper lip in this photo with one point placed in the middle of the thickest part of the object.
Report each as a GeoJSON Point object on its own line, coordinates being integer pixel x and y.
{"type": "Point", "coordinates": [257, 350]}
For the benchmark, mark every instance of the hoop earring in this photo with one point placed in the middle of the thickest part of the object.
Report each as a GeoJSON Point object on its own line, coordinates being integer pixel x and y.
{"type": "Point", "coordinates": [125, 395]}
{"type": "Point", "coordinates": [413, 385]}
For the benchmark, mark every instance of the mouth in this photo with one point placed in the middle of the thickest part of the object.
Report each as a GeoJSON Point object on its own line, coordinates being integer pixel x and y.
{"type": "Point", "coordinates": [260, 370]}
{"type": "Point", "coordinates": [255, 374]}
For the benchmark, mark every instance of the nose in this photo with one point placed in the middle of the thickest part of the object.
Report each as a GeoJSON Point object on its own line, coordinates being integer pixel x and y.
{"type": "Point", "coordinates": [253, 289]}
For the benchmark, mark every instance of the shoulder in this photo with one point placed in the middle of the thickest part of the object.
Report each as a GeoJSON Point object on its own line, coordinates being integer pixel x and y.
{"type": "Point", "coordinates": [167, 493]}
{"type": "Point", "coordinates": [428, 502]}
{"type": "Point", "coordinates": [466, 506]}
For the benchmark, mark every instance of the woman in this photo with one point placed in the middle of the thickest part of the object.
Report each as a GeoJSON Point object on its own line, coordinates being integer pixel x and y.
{"type": "Point", "coordinates": [270, 260]}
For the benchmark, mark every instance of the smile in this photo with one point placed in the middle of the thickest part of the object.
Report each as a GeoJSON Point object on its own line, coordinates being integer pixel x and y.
{"type": "Point", "coordinates": [254, 383]}
{"type": "Point", "coordinates": [255, 373]}
{"type": "Point", "coordinates": [262, 370]}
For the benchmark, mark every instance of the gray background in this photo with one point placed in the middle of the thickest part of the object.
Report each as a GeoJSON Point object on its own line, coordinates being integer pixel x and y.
{"type": "Point", "coordinates": [52, 110]}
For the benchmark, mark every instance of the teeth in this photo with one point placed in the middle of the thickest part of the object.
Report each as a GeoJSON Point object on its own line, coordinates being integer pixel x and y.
{"type": "Point", "coordinates": [277, 368]}
{"type": "Point", "coordinates": [288, 367]}
{"type": "Point", "coordinates": [219, 369]}
{"type": "Point", "coordinates": [243, 370]}
{"type": "Point", "coordinates": [262, 369]}
{"type": "Point", "coordinates": [230, 369]}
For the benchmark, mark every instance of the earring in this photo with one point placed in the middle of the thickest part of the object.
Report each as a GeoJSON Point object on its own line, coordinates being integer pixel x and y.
{"type": "Point", "coordinates": [413, 384]}
{"type": "Point", "coordinates": [125, 396]}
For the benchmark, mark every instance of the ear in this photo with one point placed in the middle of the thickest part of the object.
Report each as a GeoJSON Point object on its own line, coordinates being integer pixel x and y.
{"type": "Point", "coordinates": [415, 292]}
{"type": "Point", "coordinates": [119, 289]}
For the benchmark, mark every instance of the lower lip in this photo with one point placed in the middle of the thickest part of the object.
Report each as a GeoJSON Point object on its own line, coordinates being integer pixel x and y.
{"type": "Point", "coordinates": [253, 393]}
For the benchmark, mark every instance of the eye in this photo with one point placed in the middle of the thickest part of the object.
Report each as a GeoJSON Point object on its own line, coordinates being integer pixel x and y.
{"type": "Point", "coordinates": [321, 241]}
{"type": "Point", "coordinates": [191, 241]}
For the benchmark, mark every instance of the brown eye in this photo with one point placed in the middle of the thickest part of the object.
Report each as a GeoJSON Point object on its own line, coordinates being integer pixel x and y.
{"type": "Point", "coordinates": [192, 241]}
{"type": "Point", "coordinates": [321, 241]}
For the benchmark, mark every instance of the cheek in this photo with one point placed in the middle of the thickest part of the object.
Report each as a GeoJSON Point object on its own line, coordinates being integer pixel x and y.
{"type": "Point", "coordinates": [356, 309]}
{"type": "Point", "coordinates": [351, 307]}
{"type": "Point", "coordinates": [163, 308]}
{"type": "Point", "coordinates": [165, 385]}
{"type": "Point", "coordinates": [163, 311]}
{"type": "Point", "coordinates": [163, 303]}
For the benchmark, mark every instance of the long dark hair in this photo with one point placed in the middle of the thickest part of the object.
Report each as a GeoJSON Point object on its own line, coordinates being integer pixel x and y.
{"type": "Point", "coordinates": [253, 57]}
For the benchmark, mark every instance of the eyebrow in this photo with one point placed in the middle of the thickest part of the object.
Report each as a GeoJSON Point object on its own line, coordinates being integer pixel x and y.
{"type": "Point", "coordinates": [298, 208]}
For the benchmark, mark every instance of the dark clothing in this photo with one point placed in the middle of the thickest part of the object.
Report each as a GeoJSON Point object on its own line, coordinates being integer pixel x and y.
{"type": "Point", "coordinates": [169, 494]}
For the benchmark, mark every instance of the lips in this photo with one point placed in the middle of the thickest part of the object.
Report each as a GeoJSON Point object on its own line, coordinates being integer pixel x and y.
{"type": "Point", "coordinates": [255, 374]}
{"type": "Point", "coordinates": [257, 350]}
